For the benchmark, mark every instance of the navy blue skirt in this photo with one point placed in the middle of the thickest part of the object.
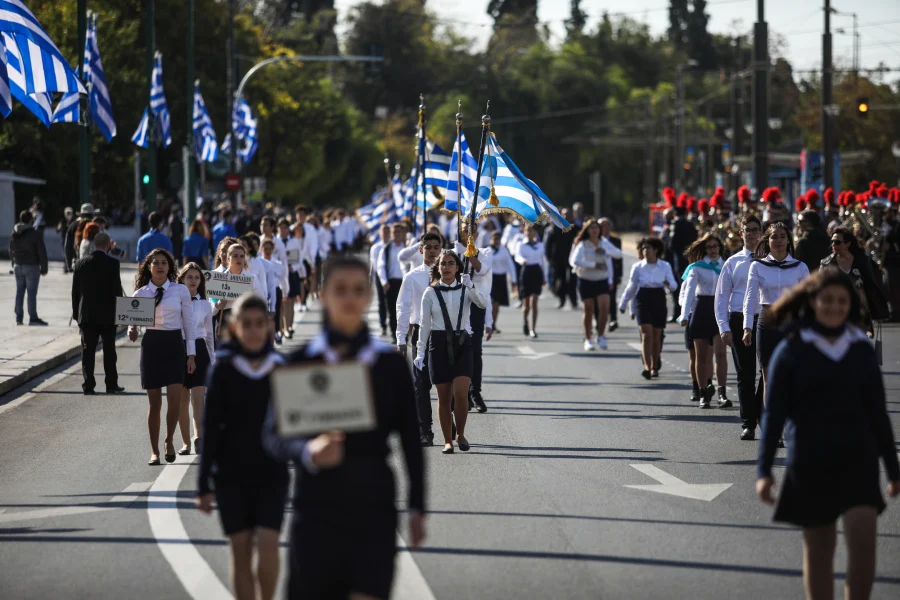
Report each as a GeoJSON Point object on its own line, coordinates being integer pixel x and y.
{"type": "Point", "coordinates": [589, 290]}
{"type": "Point", "coordinates": [439, 367]}
{"type": "Point", "coordinates": [651, 307]}
{"type": "Point", "coordinates": [532, 281]}
{"type": "Point", "coordinates": [499, 291]}
{"type": "Point", "coordinates": [162, 358]}
{"type": "Point", "coordinates": [768, 336]}
{"type": "Point", "coordinates": [201, 364]}
{"type": "Point", "coordinates": [703, 324]}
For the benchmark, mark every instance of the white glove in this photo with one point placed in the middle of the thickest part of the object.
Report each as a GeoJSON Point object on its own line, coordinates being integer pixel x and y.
{"type": "Point", "coordinates": [466, 280]}
{"type": "Point", "coordinates": [419, 362]}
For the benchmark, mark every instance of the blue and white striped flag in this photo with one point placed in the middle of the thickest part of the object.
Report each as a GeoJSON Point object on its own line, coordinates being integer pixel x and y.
{"type": "Point", "coordinates": [245, 129]}
{"type": "Point", "coordinates": [38, 103]}
{"type": "Point", "coordinates": [142, 135]}
{"type": "Point", "coordinates": [67, 111]}
{"type": "Point", "coordinates": [437, 165]}
{"type": "Point", "coordinates": [206, 147]}
{"type": "Point", "coordinates": [162, 121]}
{"type": "Point", "coordinates": [467, 171]}
{"type": "Point", "coordinates": [5, 95]}
{"type": "Point", "coordinates": [100, 103]}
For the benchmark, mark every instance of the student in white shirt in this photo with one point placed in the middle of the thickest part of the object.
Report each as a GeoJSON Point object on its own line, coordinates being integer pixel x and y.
{"type": "Point", "coordinates": [290, 282]}
{"type": "Point", "coordinates": [479, 269]}
{"type": "Point", "coordinates": [277, 271]}
{"type": "Point", "coordinates": [648, 281]}
{"type": "Point", "coordinates": [531, 256]}
{"type": "Point", "coordinates": [255, 265]}
{"type": "Point", "coordinates": [591, 260]}
{"type": "Point", "coordinates": [730, 292]}
{"type": "Point", "coordinates": [374, 253]}
{"type": "Point", "coordinates": [168, 348]}
{"type": "Point", "coordinates": [236, 264]}
{"type": "Point", "coordinates": [502, 267]}
{"type": "Point", "coordinates": [391, 272]}
{"type": "Point", "coordinates": [195, 383]}
{"type": "Point", "coordinates": [698, 314]}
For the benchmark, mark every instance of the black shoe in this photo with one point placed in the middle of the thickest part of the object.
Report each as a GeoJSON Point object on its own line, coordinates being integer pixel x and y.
{"type": "Point", "coordinates": [480, 406]}
{"type": "Point", "coordinates": [645, 374]}
{"type": "Point", "coordinates": [19, 323]}
{"type": "Point", "coordinates": [89, 391]}
{"type": "Point", "coordinates": [561, 305]}
{"type": "Point", "coordinates": [748, 434]}
{"type": "Point", "coordinates": [38, 322]}
{"type": "Point", "coordinates": [525, 329]}
{"type": "Point", "coordinates": [613, 326]}
{"type": "Point", "coordinates": [471, 403]}
{"type": "Point", "coordinates": [115, 390]}
{"type": "Point", "coordinates": [463, 445]}
{"type": "Point", "coordinates": [426, 440]}
{"type": "Point", "coordinates": [384, 332]}
{"type": "Point", "coordinates": [724, 402]}
{"type": "Point", "coordinates": [695, 395]}
{"type": "Point", "coordinates": [705, 399]}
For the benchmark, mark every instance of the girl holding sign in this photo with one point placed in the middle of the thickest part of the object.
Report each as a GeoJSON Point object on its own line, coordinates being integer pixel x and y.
{"type": "Point", "coordinates": [163, 351]}
{"type": "Point", "coordinates": [343, 537]}
{"type": "Point", "coordinates": [250, 486]}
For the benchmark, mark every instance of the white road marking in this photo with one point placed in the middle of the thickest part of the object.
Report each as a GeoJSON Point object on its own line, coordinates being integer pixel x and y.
{"type": "Point", "coordinates": [130, 494]}
{"type": "Point", "coordinates": [409, 584]}
{"type": "Point", "coordinates": [669, 484]}
{"type": "Point", "coordinates": [529, 352]}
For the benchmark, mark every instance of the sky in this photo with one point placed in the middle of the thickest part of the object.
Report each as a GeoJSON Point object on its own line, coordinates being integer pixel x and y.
{"type": "Point", "coordinates": [800, 22]}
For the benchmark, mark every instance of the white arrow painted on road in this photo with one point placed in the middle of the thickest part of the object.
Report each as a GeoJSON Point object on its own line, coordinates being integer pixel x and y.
{"type": "Point", "coordinates": [529, 352]}
{"type": "Point", "coordinates": [669, 484]}
{"type": "Point", "coordinates": [129, 495]}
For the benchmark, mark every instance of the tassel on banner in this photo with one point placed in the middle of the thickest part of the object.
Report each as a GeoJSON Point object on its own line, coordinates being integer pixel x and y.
{"type": "Point", "coordinates": [437, 193]}
{"type": "Point", "coordinates": [493, 199]}
{"type": "Point", "coordinates": [471, 250]}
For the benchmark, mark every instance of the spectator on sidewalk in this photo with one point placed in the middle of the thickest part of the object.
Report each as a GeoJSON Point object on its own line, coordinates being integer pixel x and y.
{"type": "Point", "coordinates": [95, 286]}
{"type": "Point", "coordinates": [153, 239]}
{"type": "Point", "coordinates": [63, 228]}
{"type": "Point", "coordinates": [29, 257]}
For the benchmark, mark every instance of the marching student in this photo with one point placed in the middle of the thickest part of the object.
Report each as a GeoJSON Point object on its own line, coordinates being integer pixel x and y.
{"type": "Point", "coordinates": [409, 307]}
{"type": "Point", "coordinates": [825, 389]}
{"type": "Point", "coordinates": [502, 266]}
{"type": "Point", "coordinates": [301, 268]}
{"type": "Point", "coordinates": [249, 486]}
{"type": "Point", "coordinates": [291, 283]}
{"type": "Point", "coordinates": [276, 271]}
{"type": "Point", "coordinates": [647, 283]}
{"type": "Point", "coordinates": [221, 260]}
{"type": "Point", "coordinates": [390, 271]}
{"type": "Point", "coordinates": [448, 342]}
{"type": "Point", "coordinates": [481, 320]}
{"type": "Point", "coordinates": [533, 277]}
{"type": "Point", "coordinates": [344, 531]}
{"type": "Point", "coordinates": [730, 292]}
{"type": "Point", "coordinates": [606, 234]}
{"type": "Point", "coordinates": [698, 309]}
{"type": "Point", "coordinates": [374, 253]}
{"type": "Point", "coordinates": [165, 355]}
{"type": "Point", "coordinates": [235, 264]}
{"type": "Point", "coordinates": [254, 265]}
{"type": "Point", "coordinates": [591, 260]}
{"type": "Point", "coordinates": [194, 386]}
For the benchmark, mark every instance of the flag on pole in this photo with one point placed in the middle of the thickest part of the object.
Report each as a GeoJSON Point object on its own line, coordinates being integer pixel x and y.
{"type": "Point", "coordinates": [206, 147]}
{"type": "Point", "coordinates": [467, 168]}
{"type": "Point", "coordinates": [162, 121]}
{"type": "Point", "coordinates": [5, 95]}
{"type": "Point", "coordinates": [37, 103]}
{"type": "Point", "coordinates": [244, 125]}
{"type": "Point", "coordinates": [100, 105]}
{"type": "Point", "coordinates": [67, 111]}
{"type": "Point", "coordinates": [437, 165]}
{"type": "Point", "coordinates": [141, 136]}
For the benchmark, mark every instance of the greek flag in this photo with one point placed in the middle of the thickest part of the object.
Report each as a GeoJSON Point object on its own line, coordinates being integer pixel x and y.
{"type": "Point", "coordinates": [548, 209]}
{"type": "Point", "coordinates": [437, 165]}
{"type": "Point", "coordinates": [244, 125]}
{"type": "Point", "coordinates": [5, 95]}
{"type": "Point", "coordinates": [468, 172]}
{"type": "Point", "coordinates": [142, 135]}
{"type": "Point", "coordinates": [17, 79]}
{"type": "Point", "coordinates": [67, 111]}
{"type": "Point", "coordinates": [99, 100]}
{"type": "Point", "coordinates": [204, 135]}
{"type": "Point", "coordinates": [162, 121]}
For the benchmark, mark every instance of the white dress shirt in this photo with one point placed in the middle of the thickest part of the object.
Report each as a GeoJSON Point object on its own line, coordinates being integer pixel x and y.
{"type": "Point", "coordinates": [202, 310]}
{"type": "Point", "coordinates": [410, 257]}
{"type": "Point", "coordinates": [433, 319]}
{"type": "Point", "coordinates": [311, 241]}
{"type": "Point", "coordinates": [325, 238]}
{"type": "Point", "coordinates": [258, 270]}
{"type": "Point", "coordinates": [374, 251]}
{"type": "Point", "coordinates": [483, 279]}
{"type": "Point", "coordinates": [502, 262]}
{"type": "Point", "coordinates": [297, 267]}
{"type": "Point", "coordinates": [173, 313]}
{"type": "Point", "coordinates": [273, 277]}
{"type": "Point", "coordinates": [528, 254]}
{"type": "Point", "coordinates": [766, 284]}
{"type": "Point", "coordinates": [409, 300]}
{"type": "Point", "coordinates": [391, 268]}
{"type": "Point", "coordinates": [585, 257]}
{"type": "Point", "coordinates": [700, 282]}
{"type": "Point", "coordinates": [648, 275]}
{"type": "Point", "coordinates": [732, 287]}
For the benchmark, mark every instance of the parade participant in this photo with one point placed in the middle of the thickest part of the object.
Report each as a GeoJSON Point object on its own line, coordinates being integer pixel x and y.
{"type": "Point", "coordinates": [344, 531]}
{"type": "Point", "coordinates": [480, 319]}
{"type": "Point", "coordinates": [310, 250]}
{"type": "Point", "coordinates": [300, 268]}
{"type": "Point", "coordinates": [29, 258]}
{"type": "Point", "coordinates": [165, 355]}
{"type": "Point", "coordinates": [96, 284]}
{"type": "Point", "coordinates": [249, 486]}
{"type": "Point", "coordinates": [375, 251]}
{"type": "Point", "coordinates": [196, 246]}
{"type": "Point", "coordinates": [696, 393]}
{"type": "Point", "coordinates": [257, 266]}
{"type": "Point", "coordinates": [86, 248]}
{"type": "Point", "coordinates": [683, 234]}
{"type": "Point", "coordinates": [449, 344]}
{"type": "Point", "coordinates": [410, 257]}
{"type": "Point", "coordinates": [531, 257]}
{"type": "Point", "coordinates": [409, 313]}
{"type": "Point", "coordinates": [291, 282]}
{"type": "Point", "coordinates": [152, 239]}
{"type": "Point", "coordinates": [221, 259]}
{"type": "Point", "coordinates": [826, 390]}
{"type": "Point", "coordinates": [559, 245]}
{"type": "Point", "coordinates": [390, 272]}
{"type": "Point", "coordinates": [813, 243]}
{"type": "Point", "coordinates": [647, 283]}
{"type": "Point", "coordinates": [223, 228]}
{"type": "Point", "coordinates": [502, 267]}
{"type": "Point", "coordinates": [235, 264]}
{"type": "Point", "coordinates": [276, 272]}
{"type": "Point", "coordinates": [591, 261]}
{"type": "Point", "coordinates": [730, 292]}
{"type": "Point", "coordinates": [194, 387]}
{"type": "Point", "coordinates": [618, 268]}
{"type": "Point", "coordinates": [698, 310]}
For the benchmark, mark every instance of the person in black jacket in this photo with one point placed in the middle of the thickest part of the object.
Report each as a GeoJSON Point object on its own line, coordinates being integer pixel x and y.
{"type": "Point", "coordinates": [344, 532]}
{"type": "Point", "coordinates": [95, 286]}
{"type": "Point", "coordinates": [29, 257]}
{"type": "Point", "coordinates": [684, 233]}
{"type": "Point", "coordinates": [813, 244]}
{"type": "Point", "coordinates": [825, 384]}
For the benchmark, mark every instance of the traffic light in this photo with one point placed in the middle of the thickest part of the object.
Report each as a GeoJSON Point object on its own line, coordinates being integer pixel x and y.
{"type": "Point", "coordinates": [146, 179]}
{"type": "Point", "coordinates": [862, 107]}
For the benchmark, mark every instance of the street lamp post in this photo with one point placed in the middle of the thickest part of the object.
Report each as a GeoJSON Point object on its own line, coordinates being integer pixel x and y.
{"type": "Point", "coordinates": [760, 100]}
{"type": "Point", "coordinates": [827, 100]}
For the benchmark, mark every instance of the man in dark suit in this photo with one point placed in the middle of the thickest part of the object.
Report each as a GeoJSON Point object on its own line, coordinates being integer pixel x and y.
{"type": "Point", "coordinates": [684, 233]}
{"type": "Point", "coordinates": [95, 286]}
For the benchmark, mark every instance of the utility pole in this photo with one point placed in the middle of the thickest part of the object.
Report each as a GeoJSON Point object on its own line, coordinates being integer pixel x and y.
{"type": "Point", "coordinates": [190, 185]}
{"type": "Point", "coordinates": [737, 110]}
{"type": "Point", "coordinates": [231, 99]}
{"type": "Point", "coordinates": [827, 100]}
{"type": "Point", "coordinates": [710, 161]}
{"type": "Point", "coordinates": [151, 133]}
{"type": "Point", "coordinates": [84, 129]}
{"type": "Point", "coordinates": [649, 179]}
{"type": "Point", "coordinates": [679, 112]}
{"type": "Point", "coordinates": [760, 100]}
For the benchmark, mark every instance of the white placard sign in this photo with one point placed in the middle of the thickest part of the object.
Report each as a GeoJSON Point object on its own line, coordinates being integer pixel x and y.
{"type": "Point", "coordinates": [293, 256]}
{"type": "Point", "coordinates": [135, 311]}
{"type": "Point", "coordinates": [311, 399]}
{"type": "Point", "coordinates": [227, 286]}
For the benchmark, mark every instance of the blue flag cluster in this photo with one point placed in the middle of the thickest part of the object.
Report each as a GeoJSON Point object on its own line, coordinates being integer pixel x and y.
{"type": "Point", "coordinates": [205, 145]}
{"type": "Point", "coordinates": [157, 114]}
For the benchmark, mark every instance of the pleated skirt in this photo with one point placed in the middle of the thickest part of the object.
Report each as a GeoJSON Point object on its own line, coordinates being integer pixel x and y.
{"type": "Point", "coordinates": [162, 358]}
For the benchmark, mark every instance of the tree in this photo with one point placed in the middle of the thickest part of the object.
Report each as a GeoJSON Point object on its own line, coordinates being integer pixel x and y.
{"type": "Point", "coordinates": [577, 18]}
{"type": "Point", "coordinates": [699, 40]}
{"type": "Point", "coordinates": [678, 20]}
{"type": "Point", "coordinates": [514, 8]}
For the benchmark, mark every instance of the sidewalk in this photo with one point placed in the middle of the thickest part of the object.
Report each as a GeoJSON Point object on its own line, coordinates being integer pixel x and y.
{"type": "Point", "coordinates": [26, 352]}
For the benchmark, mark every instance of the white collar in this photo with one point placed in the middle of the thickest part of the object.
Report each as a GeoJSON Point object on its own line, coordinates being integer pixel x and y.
{"type": "Point", "coordinates": [441, 283]}
{"type": "Point", "coordinates": [242, 364]}
{"type": "Point", "coordinates": [787, 258]}
{"type": "Point", "coordinates": [164, 286]}
{"type": "Point", "coordinates": [838, 349]}
{"type": "Point", "coordinates": [424, 268]}
{"type": "Point", "coordinates": [367, 355]}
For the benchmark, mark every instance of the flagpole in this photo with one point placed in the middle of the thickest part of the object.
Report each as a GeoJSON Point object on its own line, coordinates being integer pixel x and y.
{"type": "Point", "coordinates": [387, 194]}
{"type": "Point", "coordinates": [190, 166]}
{"type": "Point", "coordinates": [423, 162]}
{"type": "Point", "coordinates": [84, 132]}
{"type": "Point", "coordinates": [151, 138]}
{"type": "Point", "coordinates": [459, 120]}
{"type": "Point", "coordinates": [485, 131]}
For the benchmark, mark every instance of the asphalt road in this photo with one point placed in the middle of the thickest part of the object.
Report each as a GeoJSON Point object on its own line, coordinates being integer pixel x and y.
{"type": "Point", "coordinates": [540, 508]}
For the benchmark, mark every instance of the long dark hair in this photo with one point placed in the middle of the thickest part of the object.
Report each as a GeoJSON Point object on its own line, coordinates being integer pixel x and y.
{"type": "Point", "coordinates": [764, 248]}
{"type": "Point", "coordinates": [222, 249]}
{"type": "Point", "coordinates": [143, 273]}
{"type": "Point", "coordinates": [436, 269]}
{"type": "Point", "coordinates": [849, 239]}
{"type": "Point", "coordinates": [201, 289]}
{"type": "Point", "coordinates": [583, 234]}
{"type": "Point", "coordinates": [697, 250]}
{"type": "Point", "coordinates": [794, 305]}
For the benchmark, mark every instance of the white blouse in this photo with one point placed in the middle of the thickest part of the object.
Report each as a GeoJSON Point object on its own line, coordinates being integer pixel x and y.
{"type": "Point", "coordinates": [502, 263]}
{"type": "Point", "coordinates": [174, 312]}
{"type": "Point", "coordinates": [528, 254]}
{"type": "Point", "coordinates": [203, 324]}
{"type": "Point", "coordinates": [433, 319]}
{"type": "Point", "coordinates": [585, 257]}
{"type": "Point", "coordinates": [766, 284]}
{"type": "Point", "coordinates": [648, 275]}
{"type": "Point", "coordinates": [732, 287]}
{"type": "Point", "coordinates": [700, 282]}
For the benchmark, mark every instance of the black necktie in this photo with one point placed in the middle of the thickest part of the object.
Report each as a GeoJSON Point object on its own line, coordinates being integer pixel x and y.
{"type": "Point", "coordinates": [193, 298]}
{"type": "Point", "coordinates": [159, 294]}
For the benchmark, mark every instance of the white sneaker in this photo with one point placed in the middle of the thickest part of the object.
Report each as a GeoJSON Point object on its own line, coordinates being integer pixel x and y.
{"type": "Point", "coordinates": [601, 341]}
{"type": "Point", "coordinates": [589, 346]}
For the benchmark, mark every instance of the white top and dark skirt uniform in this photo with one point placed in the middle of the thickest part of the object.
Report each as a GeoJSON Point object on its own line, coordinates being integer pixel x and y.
{"type": "Point", "coordinates": [699, 306]}
{"type": "Point", "coordinates": [767, 280]}
{"type": "Point", "coordinates": [646, 283]}
{"type": "Point", "coordinates": [163, 358]}
{"type": "Point", "coordinates": [829, 399]}
{"type": "Point", "coordinates": [444, 331]}
{"type": "Point", "coordinates": [344, 530]}
{"type": "Point", "coordinates": [532, 257]}
{"type": "Point", "coordinates": [205, 342]}
{"type": "Point", "coordinates": [501, 266]}
{"type": "Point", "coordinates": [594, 281]}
